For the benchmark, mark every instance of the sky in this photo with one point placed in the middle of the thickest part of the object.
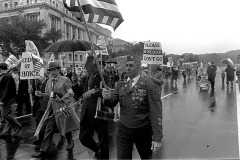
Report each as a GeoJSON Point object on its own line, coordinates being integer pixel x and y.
{"type": "Point", "coordinates": [182, 26]}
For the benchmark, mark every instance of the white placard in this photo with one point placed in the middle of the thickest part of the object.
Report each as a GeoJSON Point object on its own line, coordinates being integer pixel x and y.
{"type": "Point", "coordinates": [79, 69]}
{"type": "Point", "coordinates": [152, 53]}
{"type": "Point", "coordinates": [152, 59]}
{"type": "Point", "coordinates": [26, 71]}
{"type": "Point", "coordinates": [152, 46]}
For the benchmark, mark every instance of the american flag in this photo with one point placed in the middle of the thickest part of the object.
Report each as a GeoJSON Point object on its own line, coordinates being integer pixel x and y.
{"type": "Point", "coordinates": [180, 59]}
{"type": "Point", "coordinates": [37, 64]}
{"type": "Point", "coordinates": [96, 11]}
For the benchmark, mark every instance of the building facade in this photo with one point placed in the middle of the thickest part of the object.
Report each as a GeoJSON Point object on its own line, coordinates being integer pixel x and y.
{"type": "Point", "coordinates": [55, 15]}
{"type": "Point", "coordinates": [119, 44]}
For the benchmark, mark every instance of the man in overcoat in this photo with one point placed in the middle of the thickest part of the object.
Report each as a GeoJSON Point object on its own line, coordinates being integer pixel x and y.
{"type": "Point", "coordinates": [140, 112]}
{"type": "Point", "coordinates": [60, 93]}
{"type": "Point", "coordinates": [211, 71]}
{"type": "Point", "coordinates": [89, 89]}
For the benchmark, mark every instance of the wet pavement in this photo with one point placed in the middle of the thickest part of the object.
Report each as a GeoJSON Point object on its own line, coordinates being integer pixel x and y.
{"type": "Point", "coordinates": [196, 125]}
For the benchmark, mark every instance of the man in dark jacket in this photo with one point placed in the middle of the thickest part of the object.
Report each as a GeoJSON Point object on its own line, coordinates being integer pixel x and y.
{"type": "Point", "coordinates": [89, 89]}
{"type": "Point", "coordinates": [23, 97]}
{"type": "Point", "coordinates": [7, 98]}
{"type": "Point", "coordinates": [211, 71]}
{"type": "Point", "coordinates": [140, 114]}
{"type": "Point", "coordinates": [230, 75]}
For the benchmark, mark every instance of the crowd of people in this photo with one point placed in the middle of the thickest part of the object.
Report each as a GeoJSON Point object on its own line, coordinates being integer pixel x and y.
{"type": "Point", "coordinates": [66, 103]}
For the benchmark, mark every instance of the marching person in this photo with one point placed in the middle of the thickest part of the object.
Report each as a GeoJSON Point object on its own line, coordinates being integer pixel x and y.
{"type": "Point", "coordinates": [230, 75]}
{"type": "Point", "coordinates": [43, 101]}
{"type": "Point", "coordinates": [58, 89]}
{"type": "Point", "coordinates": [140, 114]}
{"type": "Point", "coordinates": [211, 71]}
{"type": "Point", "coordinates": [89, 89]}
{"type": "Point", "coordinates": [7, 98]}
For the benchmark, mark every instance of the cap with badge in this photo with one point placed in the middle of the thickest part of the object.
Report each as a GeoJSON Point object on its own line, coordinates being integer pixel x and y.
{"type": "Point", "coordinates": [134, 58]}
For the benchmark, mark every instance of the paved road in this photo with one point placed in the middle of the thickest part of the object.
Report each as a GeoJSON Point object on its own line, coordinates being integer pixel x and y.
{"type": "Point", "coordinates": [196, 124]}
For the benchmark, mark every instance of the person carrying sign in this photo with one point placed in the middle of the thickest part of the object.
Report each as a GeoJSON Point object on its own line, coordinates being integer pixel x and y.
{"type": "Point", "coordinates": [7, 98]}
{"type": "Point", "coordinates": [140, 114]}
{"type": "Point", "coordinates": [59, 91]}
{"type": "Point", "coordinates": [89, 89]}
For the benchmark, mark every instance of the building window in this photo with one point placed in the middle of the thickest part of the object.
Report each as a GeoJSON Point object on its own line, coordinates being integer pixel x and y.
{"type": "Point", "coordinates": [54, 3]}
{"type": "Point", "coordinates": [35, 1]}
{"type": "Point", "coordinates": [79, 34]}
{"type": "Point", "coordinates": [27, 2]}
{"type": "Point", "coordinates": [15, 4]}
{"type": "Point", "coordinates": [6, 5]}
{"type": "Point", "coordinates": [68, 30]}
{"type": "Point", "coordinates": [33, 16]}
{"type": "Point", "coordinates": [70, 56]}
{"type": "Point", "coordinates": [73, 33]}
{"type": "Point", "coordinates": [55, 22]}
{"type": "Point", "coordinates": [80, 57]}
{"type": "Point", "coordinates": [75, 59]}
{"type": "Point", "coordinates": [57, 5]}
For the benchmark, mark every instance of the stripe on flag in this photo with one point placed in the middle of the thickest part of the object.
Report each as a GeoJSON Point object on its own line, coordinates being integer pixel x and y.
{"type": "Point", "coordinates": [37, 64]}
{"type": "Point", "coordinates": [96, 11]}
{"type": "Point", "coordinates": [180, 59]}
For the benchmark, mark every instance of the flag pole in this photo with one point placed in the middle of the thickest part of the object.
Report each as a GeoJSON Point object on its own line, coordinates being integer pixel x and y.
{"type": "Point", "coordinates": [93, 50]}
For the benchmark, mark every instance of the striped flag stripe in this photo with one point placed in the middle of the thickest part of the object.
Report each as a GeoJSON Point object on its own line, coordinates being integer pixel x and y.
{"type": "Point", "coordinates": [109, 1]}
{"type": "Point", "coordinates": [97, 11]}
{"type": "Point", "coordinates": [108, 5]}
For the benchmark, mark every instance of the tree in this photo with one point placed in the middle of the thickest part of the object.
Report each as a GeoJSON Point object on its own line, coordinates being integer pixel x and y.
{"type": "Point", "coordinates": [52, 35]}
{"type": "Point", "coordinates": [15, 30]}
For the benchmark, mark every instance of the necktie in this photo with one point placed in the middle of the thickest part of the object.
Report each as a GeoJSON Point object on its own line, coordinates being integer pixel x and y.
{"type": "Point", "coordinates": [130, 83]}
{"type": "Point", "coordinates": [53, 83]}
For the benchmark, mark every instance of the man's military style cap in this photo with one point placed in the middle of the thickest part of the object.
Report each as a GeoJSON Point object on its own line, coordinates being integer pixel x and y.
{"type": "Point", "coordinates": [134, 58]}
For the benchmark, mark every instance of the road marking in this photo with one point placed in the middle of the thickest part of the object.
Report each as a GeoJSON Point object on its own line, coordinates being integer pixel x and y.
{"type": "Point", "coordinates": [238, 115]}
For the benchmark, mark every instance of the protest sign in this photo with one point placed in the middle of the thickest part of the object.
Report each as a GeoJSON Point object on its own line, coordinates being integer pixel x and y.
{"type": "Point", "coordinates": [152, 53]}
{"type": "Point", "coordinates": [79, 69]}
{"type": "Point", "coordinates": [31, 47]}
{"type": "Point", "coordinates": [102, 44]}
{"type": "Point", "coordinates": [27, 69]}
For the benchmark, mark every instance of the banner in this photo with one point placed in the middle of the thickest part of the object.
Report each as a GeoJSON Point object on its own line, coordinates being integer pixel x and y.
{"type": "Point", "coordinates": [11, 60]}
{"type": "Point", "coordinates": [79, 69]}
{"type": "Point", "coordinates": [52, 58]}
{"type": "Point", "coordinates": [27, 68]}
{"type": "Point", "coordinates": [31, 47]}
{"type": "Point", "coordinates": [170, 60]}
{"type": "Point", "coordinates": [152, 53]}
{"type": "Point", "coordinates": [102, 44]}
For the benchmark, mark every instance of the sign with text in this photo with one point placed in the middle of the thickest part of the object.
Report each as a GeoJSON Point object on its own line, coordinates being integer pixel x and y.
{"type": "Point", "coordinates": [152, 53]}
{"type": "Point", "coordinates": [102, 44]}
{"type": "Point", "coordinates": [79, 69]}
{"type": "Point", "coordinates": [27, 71]}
